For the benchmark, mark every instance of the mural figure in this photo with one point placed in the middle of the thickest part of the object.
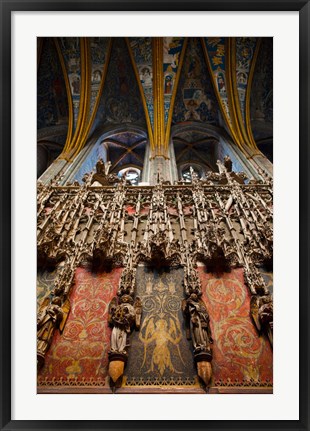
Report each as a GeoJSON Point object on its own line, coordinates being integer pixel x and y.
{"type": "Point", "coordinates": [191, 113]}
{"type": "Point", "coordinates": [194, 69]}
{"type": "Point", "coordinates": [96, 77]}
{"type": "Point", "coordinates": [161, 333]}
{"type": "Point", "coordinates": [242, 78]}
{"type": "Point", "coordinates": [50, 317]}
{"type": "Point", "coordinates": [146, 77]}
{"type": "Point", "coordinates": [221, 83]}
{"type": "Point", "coordinates": [172, 47]}
{"type": "Point", "coordinates": [168, 84]}
{"type": "Point", "coordinates": [76, 85]}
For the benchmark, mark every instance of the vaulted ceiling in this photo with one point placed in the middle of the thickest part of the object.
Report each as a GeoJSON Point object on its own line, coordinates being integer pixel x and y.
{"type": "Point", "coordinates": [126, 149]}
{"type": "Point", "coordinates": [195, 147]}
{"type": "Point", "coordinates": [86, 85]}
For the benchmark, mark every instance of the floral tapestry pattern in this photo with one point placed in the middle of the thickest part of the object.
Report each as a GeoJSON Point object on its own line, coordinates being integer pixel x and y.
{"type": "Point", "coordinates": [81, 352]}
{"type": "Point", "coordinates": [240, 355]}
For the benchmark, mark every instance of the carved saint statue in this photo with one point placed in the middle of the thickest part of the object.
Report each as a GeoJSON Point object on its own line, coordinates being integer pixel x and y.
{"type": "Point", "coordinates": [102, 177]}
{"type": "Point", "coordinates": [124, 314]}
{"type": "Point", "coordinates": [262, 314]}
{"type": "Point", "coordinates": [50, 317]}
{"type": "Point", "coordinates": [197, 319]}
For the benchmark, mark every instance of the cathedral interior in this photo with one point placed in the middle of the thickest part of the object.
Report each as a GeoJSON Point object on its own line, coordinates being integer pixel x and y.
{"type": "Point", "coordinates": [154, 215]}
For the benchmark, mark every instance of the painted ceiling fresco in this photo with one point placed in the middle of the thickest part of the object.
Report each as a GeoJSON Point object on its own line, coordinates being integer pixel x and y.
{"type": "Point", "coordinates": [141, 48]}
{"type": "Point", "coordinates": [215, 47]}
{"type": "Point", "coordinates": [120, 69]}
{"type": "Point", "coordinates": [51, 91]}
{"type": "Point", "coordinates": [245, 47]}
{"type": "Point", "coordinates": [195, 99]}
{"type": "Point", "coordinates": [172, 47]}
{"type": "Point", "coordinates": [125, 149]}
{"type": "Point", "coordinates": [120, 102]}
{"type": "Point", "coordinates": [195, 147]}
{"type": "Point", "coordinates": [70, 48]}
{"type": "Point", "coordinates": [98, 53]}
{"type": "Point", "coordinates": [262, 92]}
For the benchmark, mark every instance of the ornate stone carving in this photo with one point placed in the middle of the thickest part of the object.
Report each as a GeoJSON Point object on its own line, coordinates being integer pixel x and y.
{"type": "Point", "coordinates": [102, 175]}
{"type": "Point", "coordinates": [191, 280]}
{"type": "Point", "coordinates": [158, 251]}
{"type": "Point", "coordinates": [255, 280]}
{"type": "Point", "coordinates": [124, 315]}
{"type": "Point", "coordinates": [197, 316]}
{"type": "Point", "coordinates": [198, 330]}
{"type": "Point", "coordinates": [127, 282]}
{"type": "Point", "coordinates": [221, 221]}
{"type": "Point", "coordinates": [51, 316]}
{"type": "Point", "coordinates": [230, 221]}
{"type": "Point", "coordinates": [107, 249]}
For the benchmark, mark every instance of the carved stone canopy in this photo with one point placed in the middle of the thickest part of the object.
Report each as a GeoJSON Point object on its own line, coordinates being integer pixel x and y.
{"type": "Point", "coordinates": [158, 251]}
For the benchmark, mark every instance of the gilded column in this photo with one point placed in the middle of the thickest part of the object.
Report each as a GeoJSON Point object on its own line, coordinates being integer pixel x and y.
{"type": "Point", "coordinates": [159, 160]}
{"type": "Point", "coordinates": [72, 145]}
{"type": "Point", "coordinates": [174, 93]}
{"type": "Point", "coordinates": [146, 112]}
{"type": "Point", "coordinates": [158, 93]}
{"type": "Point", "coordinates": [236, 102]}
{"type": "Point", "coordinates": [69, 96]}
{"type": "Point", "coordinates": [248, 95]}
{"type": "Point", "coordinates": [232, 101]}
{"type": "Point", "coordinates": [85, 97]}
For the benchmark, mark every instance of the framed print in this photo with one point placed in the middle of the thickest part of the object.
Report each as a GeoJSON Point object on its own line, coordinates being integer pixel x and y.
{"type": "Point", "coordinates": [151, 235]}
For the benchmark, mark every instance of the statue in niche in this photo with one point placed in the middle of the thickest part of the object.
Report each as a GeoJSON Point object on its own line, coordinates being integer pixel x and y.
{"type": "Point", "coordinates": [198, 325]}
{"type": "Point", "coordinates": [124, 314]}
{"type": "Point", "coordinates": [50, 317]}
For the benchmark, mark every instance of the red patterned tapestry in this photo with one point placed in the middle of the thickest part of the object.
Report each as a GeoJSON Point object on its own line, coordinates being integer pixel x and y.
{"type": "Point", "coordinates": [240, 356]}
{"type": "Point", "coordinates": [79, 357]}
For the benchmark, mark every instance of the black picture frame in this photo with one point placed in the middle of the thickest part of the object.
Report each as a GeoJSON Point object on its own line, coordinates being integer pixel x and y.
{"type": "Point", "coordinates": [7, 7]}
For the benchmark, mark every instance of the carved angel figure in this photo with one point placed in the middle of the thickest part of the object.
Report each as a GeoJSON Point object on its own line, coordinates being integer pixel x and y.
{"type": "Point", "coordinates": [124, 314]}
{"type": "Point", "coordinates": [51, 316]}
{"type": "Point", "coordinates": [197, 319]}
